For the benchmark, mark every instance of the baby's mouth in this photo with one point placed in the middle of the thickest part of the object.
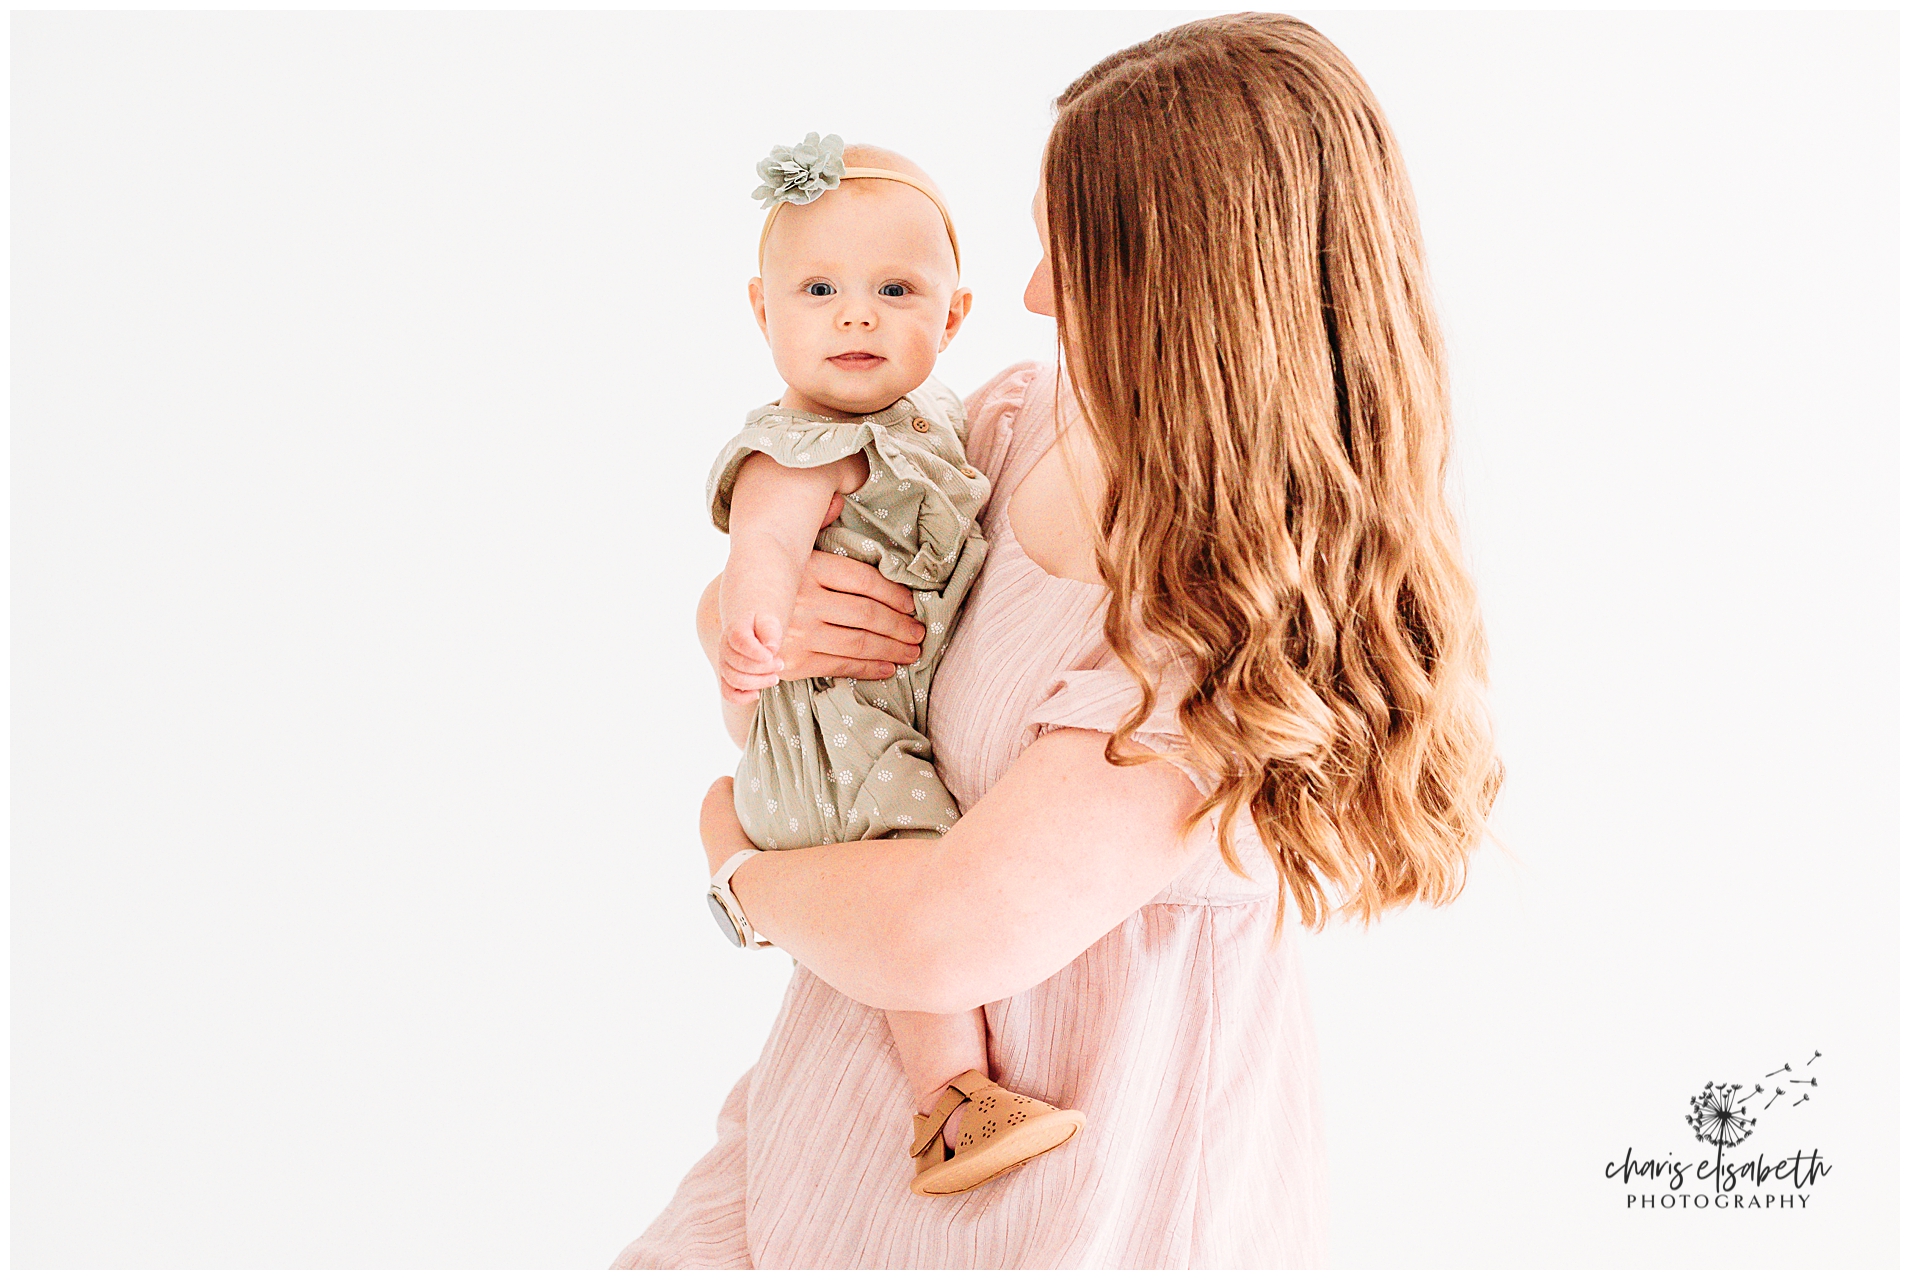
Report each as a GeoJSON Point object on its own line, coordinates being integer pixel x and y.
{"type": "Point", "coordinates": [855, 360]}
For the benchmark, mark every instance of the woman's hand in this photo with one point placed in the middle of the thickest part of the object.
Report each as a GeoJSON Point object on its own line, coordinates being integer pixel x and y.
{"type": "Point", "coordinates": [722, 831]}
{"type": "Point", "coordinates": [848, 620]}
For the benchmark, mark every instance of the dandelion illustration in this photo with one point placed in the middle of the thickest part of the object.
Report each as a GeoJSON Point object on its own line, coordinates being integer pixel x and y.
{"type": "Point", "coordinates": [1719, 1119]}
{"type": "Point", "coordinates": [1777, 1091]}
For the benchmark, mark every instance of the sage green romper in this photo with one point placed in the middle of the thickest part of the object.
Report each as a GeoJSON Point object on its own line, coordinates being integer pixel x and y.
{"type": "Point", "coordinates": [831, 760]}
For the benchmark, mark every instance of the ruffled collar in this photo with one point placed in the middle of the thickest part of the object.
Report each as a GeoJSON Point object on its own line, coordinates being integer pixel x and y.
{"type": "Point", "coordinates": [899, 414]}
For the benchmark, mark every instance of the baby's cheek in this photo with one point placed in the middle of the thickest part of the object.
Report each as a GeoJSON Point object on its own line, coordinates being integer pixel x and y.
{"type": "Point", "coordinates": [920, 349]}
{"type": "Point", "coordinates": [793, 339]}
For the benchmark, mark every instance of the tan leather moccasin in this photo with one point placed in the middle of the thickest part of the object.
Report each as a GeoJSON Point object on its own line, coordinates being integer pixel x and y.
{"type": "Point", "coordinates": [1001, 1130]}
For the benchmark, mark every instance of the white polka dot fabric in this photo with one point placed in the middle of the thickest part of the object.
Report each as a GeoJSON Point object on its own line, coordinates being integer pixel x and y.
{"type": "Point", "coordinates": [835, 746]}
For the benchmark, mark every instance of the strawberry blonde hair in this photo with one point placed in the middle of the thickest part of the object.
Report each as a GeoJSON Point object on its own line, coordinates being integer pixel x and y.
{"type": "Point", "coordinates": [1242, 306]}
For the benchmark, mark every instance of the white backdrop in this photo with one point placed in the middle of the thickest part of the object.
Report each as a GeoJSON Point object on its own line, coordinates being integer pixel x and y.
{"type": "Point", "coordinates": [366, 369]}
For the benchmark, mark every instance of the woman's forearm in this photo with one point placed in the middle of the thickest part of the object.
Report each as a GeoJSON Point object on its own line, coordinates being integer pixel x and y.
{"type": "Point", "coordinates": [1061, 850]}
{"type": "Point", "coordinates": [709, 631]}
{"type": "Point", "coordinates": [709, 620]}
{"type": "Point", "coordinates": [848, 912]}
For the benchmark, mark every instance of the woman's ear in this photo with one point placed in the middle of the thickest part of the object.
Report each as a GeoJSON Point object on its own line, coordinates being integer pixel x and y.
{"type": "Point", "coordinates": [756, 304]}
{"type": "Point", "coordinates": [958, 304]}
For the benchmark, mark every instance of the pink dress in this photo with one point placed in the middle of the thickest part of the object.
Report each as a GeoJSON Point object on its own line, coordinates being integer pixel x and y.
{"type": "Point", "coordinates": [1185, 1038]}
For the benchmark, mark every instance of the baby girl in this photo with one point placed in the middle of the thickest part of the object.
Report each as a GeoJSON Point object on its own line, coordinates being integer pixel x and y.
{"type": "Point", "coordinates": [859, 293]}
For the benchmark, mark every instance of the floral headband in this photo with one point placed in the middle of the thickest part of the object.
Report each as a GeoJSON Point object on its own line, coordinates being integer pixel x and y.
{"type": "Point", "coordinates": [799, 174]}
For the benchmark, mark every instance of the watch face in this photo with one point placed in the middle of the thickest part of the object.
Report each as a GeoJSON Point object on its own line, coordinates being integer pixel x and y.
{"type": "Point", "coordinates": [723, 921]}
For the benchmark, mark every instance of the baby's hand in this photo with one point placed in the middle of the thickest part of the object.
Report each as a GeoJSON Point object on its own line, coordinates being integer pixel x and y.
{"type": "Point", "coordinates": [747, 660]}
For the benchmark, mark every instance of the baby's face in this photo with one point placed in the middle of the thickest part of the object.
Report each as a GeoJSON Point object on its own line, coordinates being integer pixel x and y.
{"type": "Point", "coordinates": [858, 296]}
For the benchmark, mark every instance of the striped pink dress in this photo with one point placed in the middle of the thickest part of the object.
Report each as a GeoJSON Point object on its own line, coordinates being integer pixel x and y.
{"type": "Point", "coordinates": [1185, 1038]}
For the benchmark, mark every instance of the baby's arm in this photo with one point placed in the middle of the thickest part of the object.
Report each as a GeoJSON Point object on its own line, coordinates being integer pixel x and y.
{"type": "Point", "coordinates": [775, 514]}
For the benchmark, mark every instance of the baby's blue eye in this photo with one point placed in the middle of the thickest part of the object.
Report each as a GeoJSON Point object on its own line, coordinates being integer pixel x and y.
{"type": "Point", "coordinates": [893, 290]}
{"type": "Point", "coordinates": [819, 289]}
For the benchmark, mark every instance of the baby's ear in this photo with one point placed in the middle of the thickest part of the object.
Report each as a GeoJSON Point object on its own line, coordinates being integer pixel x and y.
{"type": "Point", "coordinates": [958, 304]}
{"type": "Point", "coordinates": [756, 304]}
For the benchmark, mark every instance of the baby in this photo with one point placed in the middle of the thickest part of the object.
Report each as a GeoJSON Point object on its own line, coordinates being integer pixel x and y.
{"type": "Point", "coordinates": [859, 293]}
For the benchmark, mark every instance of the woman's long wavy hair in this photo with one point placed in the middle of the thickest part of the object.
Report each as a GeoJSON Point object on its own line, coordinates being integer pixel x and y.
{"type": "Point", "coordinates": [1244, 313]}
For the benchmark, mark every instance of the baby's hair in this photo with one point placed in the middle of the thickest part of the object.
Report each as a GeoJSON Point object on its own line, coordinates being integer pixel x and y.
{"type": "Point", "coordinates": [1244, 312]}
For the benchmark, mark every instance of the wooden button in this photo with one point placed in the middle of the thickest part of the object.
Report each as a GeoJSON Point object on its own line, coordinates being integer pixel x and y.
{"type": "Point", "coordinates": [970, 472]}
{"type": "Point", "coordinates": [920, 424]}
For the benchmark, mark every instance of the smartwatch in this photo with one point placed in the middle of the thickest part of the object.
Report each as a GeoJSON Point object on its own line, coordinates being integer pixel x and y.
{"type": "Point", "coordinates": [727, 910]}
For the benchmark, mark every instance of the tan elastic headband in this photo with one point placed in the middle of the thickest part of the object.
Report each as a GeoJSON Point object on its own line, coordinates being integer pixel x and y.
{"type": "Point", "coordinates": [893, 176]}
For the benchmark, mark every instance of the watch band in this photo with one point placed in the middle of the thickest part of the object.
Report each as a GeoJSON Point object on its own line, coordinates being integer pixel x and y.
{"type": "Point", "coordinates": [723, 900]}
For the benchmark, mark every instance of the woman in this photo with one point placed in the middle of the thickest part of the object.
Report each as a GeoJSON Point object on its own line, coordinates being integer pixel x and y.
{"type": "Point", "coordinates": [1222, 537]}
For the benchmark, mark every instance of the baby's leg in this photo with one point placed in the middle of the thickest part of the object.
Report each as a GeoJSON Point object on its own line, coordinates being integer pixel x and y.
{"type": "Point", "coordinates": [935, 1048]}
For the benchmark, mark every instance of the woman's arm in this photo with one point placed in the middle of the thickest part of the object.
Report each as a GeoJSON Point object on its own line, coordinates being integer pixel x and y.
{"type": "Point", "coordinates": [1059, 852]}
{"type": "Point", "coordinates": [737, 716]}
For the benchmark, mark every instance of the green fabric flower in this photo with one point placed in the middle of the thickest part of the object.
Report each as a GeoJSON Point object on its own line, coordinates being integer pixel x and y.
{"type": "Point", "coordinates": [800, 173]}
